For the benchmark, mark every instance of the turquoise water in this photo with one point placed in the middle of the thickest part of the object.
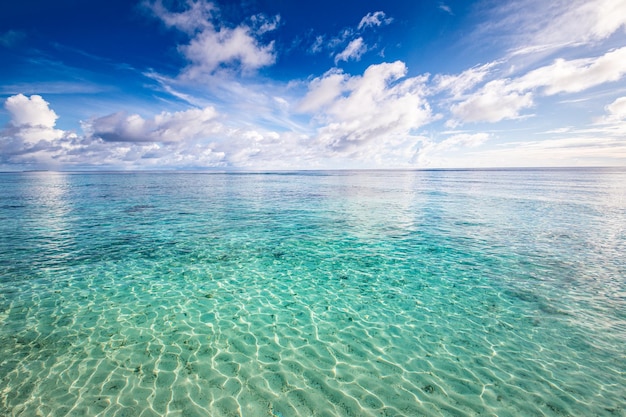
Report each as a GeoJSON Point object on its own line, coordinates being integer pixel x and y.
{"type": "Point", "coordinates": [390, 293]}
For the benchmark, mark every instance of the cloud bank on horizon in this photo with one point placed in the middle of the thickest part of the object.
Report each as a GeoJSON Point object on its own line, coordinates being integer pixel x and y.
{"type": "Point", "coordinates": [201, 84]}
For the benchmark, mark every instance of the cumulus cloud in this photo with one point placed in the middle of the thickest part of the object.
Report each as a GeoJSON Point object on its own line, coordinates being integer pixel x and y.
{"type": "Point", "coordinates": [211, 50]}
{"type": "Point", "coordinates": [195, 138]}
{"type": "Point", "coordinates": [30, 112]}
{"type": "Point", "coordinates": [494, 102]}
{"type": "Point", "coordinates": [324, 90]}
{"type": "Point", "coordinates": [197, 15]}
{"type": "Point", "coordinates": [31, 136]}
{"type": "Point", "coordinates": [214, 46]}
{"type": "Point", "coordinates": [374, 19]}
{"type": "Point", "coordinates": [353, 51]}
{"type": "Point", "coordinates": [32, 120]}
{"type": "Point", "coordinates": [380, 106]}
{"type": "Point", "coordinates": [115, 140]}
{"type": "Point", "coordinates": [165, 127]}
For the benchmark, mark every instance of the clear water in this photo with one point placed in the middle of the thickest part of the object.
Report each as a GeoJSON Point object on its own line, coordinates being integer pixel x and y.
{"type": "Point", "coordinates": [442, 293]}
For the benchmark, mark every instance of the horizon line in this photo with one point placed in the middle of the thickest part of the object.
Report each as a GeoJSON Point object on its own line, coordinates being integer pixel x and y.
{"type": "Point", "coordinates": [296, 170]}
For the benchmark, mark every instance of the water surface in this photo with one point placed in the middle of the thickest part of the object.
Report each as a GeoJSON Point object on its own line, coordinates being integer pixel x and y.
{"type": "Point", "coordinates": [370, 293]}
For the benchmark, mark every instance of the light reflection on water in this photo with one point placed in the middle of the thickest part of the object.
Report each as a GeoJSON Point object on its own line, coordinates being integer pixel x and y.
{"type": "Point", "coordinates": [313, 293]}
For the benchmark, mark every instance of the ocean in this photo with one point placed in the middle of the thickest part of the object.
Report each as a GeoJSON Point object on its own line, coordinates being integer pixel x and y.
{"type": "Point", "coordinates": [314, 293]}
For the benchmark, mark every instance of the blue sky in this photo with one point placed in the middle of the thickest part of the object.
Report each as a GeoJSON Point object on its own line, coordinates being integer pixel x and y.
{"type": "Point", "coordinates": [262, 84]}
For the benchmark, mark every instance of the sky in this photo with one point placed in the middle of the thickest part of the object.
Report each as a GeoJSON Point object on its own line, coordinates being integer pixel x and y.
{"type": "Point", "coordinates": [279, 84]}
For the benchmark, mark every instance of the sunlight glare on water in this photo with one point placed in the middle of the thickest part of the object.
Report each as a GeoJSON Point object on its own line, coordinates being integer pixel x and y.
{"type": "Point", "coordinates": [366, 293]}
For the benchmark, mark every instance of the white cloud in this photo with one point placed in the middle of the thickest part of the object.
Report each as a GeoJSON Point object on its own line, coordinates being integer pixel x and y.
{"type": "Point", "coordinates": [214, 46]}
{"type": "Point", "coordinates": [504, 98]}
{"type": "Point", "coordinates": [588, 150]}
{"type": "Point", "coordinates": [192, 138]}
{"type": "Point", "coordinates": [354, 51]}
{"type": "Point", "coordinates": [493, 102]}
{"type": "Point", "coordinates": [196, 16]}
{"type": "Point", "coordinates": [469, 140]}
{"type": "Point", "coordinates": [433, 153]}
{"type": "Point", "coordinates": [575, 75]}
{"type": "Point", "coordinates": [350, 38]}
{"type": "Point", "coordinates": [32, 120]}
{"type": "Point", "coordinates": [262, 24]}
{"type": "Point", "coordinates": [31, 136]}
{"type": "Point", "coordinates": [323, 91]}
{"type": "Point", "coordinates": [374, 19]}
{"type": "Point", "coordinates": [615, 112]}
{"type": "Point", "coordinates": [539, 26]}
{"type": "Point", "coordinates": [210, 50]}
{"type": "Point", "coordinates": [578, 22]}
{"type": "Point", "coordinates": [30, 112]}
{"type": "Point", "coordinates": [446, 8]}
{"type": "Point", "coordinates": [461, 83]}
{"type": "Point", "coordinates": [377, 106]}
{"type": "Point", "coordinates": [617, 109]}
{"type": "Point", "coordinates": [165, 127]}
{"type": "Point", "coordinates": [52, 87]}
{"type": "Point", "coordinates": [341, 38]}
{"type": "Point", "coordinates": [318, 45]}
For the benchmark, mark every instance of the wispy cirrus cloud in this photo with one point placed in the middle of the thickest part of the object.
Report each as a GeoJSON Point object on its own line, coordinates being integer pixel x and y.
{"type": "Point", "coordinates": [11, 38]}
{"type": "Point", "coordinates": [582, 150]}
{"type": "Point", "coordinates": [317, 46]}
{"type": "Point", "coordinates": [446, 8]}
{"type": "Point", "coordinates": [435, 153]}
{"type": "Point", "coordinates": [571, 23]}
{"type": "Point", "coordinates": [536, 26]}
{"type": "Point", "coordinates": [54, 87]}
{"type": "Point", "coordinates": [505, 98]}
{"type": "Point", "coordinates": [355, 49]}
{"type": "Point", "coordinates": [350, 41]}
{"type": "Point", "coordinates": [374, 19]}
{"type": "Point", "coordinates": [459, 84]}
{"type": "Point", "coordinates": [567, 76]}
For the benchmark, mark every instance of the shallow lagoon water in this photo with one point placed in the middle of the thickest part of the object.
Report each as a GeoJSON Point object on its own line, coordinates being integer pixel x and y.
{"type": "Point", "coordinates": [370, 293]}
